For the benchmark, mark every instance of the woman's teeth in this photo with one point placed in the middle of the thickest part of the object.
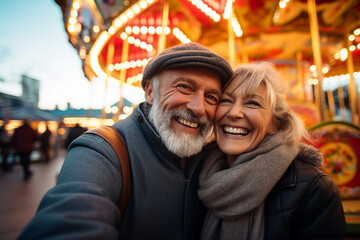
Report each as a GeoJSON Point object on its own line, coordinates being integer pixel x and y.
{"type": "Point", "coordinates": [232, 130]}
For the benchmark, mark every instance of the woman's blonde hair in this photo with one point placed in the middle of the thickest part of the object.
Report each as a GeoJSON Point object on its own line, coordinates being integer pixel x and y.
{"type": "Point", "coordinates": [250, 76]}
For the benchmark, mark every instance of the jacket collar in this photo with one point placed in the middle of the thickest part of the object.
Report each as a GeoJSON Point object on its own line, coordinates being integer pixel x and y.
{"type": "Point", "coordinates": [288, 179]}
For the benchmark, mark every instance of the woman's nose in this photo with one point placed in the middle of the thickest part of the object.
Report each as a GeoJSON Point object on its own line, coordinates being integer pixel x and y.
{"type": "Point", "coordinates": [236, 112]}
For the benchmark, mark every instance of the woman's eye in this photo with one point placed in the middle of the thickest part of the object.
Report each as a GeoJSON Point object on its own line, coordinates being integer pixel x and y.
{"type": "Point", "coordinates": [225, 100]}
{"type": "Point", "coordinates": [255, 103]}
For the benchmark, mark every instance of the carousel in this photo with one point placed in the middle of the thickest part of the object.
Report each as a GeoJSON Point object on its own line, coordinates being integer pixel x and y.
{"type": "Point", "coordinates": [315, 46]}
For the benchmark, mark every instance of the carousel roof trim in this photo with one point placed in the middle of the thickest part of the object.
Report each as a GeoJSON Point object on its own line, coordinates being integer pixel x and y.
{"type": "Point", "coordinates": [104, 37]}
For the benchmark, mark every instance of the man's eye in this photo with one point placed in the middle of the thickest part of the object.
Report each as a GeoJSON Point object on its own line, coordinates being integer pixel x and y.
{"type": "Point", "coordinates": [212, 99]}
{"type": "Point", "coordinates": [184, 87]}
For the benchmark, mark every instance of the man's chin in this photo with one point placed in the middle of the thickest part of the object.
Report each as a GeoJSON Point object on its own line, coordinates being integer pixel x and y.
{"type": "Point", "coordinates": [184, 144]}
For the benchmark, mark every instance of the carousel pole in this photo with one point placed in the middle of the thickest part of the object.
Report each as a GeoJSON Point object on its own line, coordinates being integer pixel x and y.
{"type": "Point", "coordinates": [341, 102]}
{"type": "Point", "coordinates": [315, 39]}
{"type": "Point", "coordinates": [109, 60]}
{"type": "Point", "coordinates": [122, 76]}
{"type": "Point", "coordinates": [164, 23]}
{"type": "Point", "coordinates": [231, 40]}
{"type": "Point", "coordinates": [350, 68]}
{"type": "Point", "coordinates": [331, 100]}
{"type": "Point", "coordinates": [300, 73]}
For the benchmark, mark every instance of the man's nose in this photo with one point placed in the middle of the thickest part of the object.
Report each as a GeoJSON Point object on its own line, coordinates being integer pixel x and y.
{"type": "Point", "coordinates": [197, 104]}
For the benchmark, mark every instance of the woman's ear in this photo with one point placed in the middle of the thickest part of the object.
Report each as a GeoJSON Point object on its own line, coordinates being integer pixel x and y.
{"type": "Point", "coordinates": [149, 92]}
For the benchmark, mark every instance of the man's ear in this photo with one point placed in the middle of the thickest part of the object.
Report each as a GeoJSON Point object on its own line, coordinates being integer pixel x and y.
{"type": "Point", "coordinates": [149, 92]}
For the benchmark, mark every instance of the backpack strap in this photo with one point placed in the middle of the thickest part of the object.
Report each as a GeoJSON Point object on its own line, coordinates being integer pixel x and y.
{"type": "Point", "coordinates": [113, 137]}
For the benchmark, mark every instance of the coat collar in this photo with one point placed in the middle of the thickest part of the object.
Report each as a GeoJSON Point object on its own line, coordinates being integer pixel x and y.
{"type": "Point", "coordinates": [288, 179]}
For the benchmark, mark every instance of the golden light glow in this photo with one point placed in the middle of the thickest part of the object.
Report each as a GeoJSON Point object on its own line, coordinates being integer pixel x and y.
{"type": "Point", "coordinates": [76, 5]}
{"type": "Point", "coordinates": [357, 31]}
{"type": "Point", "coordinates": [96, 28]}
{"type": "Point", "coordinates": [104, 37]}
{"type": "Point", "coordinates": [236, 27]}
{"type": "Point", "coordinates": [180, 35]}
{"type": "Point", "coordinates": [228, 9]}
{"type": "Point", "coordinates": [206, 9]}
{"type": "Point", "coordinates": [86, 39]}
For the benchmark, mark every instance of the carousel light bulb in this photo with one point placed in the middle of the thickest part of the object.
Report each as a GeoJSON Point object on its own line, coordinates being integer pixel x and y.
{"type": "Point", "coordinates": [152, 30]}
{"type": "Point", "coordinates": [143, 45]}
{"type": "Point", "coordinates": [138, 63]}
{"type": "Point", "coordinates": [149, 48]}
{"type": "Point", "coordinates": [111, 30]}
{"type": "Point", "coordinates": [325, 70]}
{"type": "Point", "coordinates": [111, 67]}
{"type": "Point", "coordinates": [128, 30]}
{"type": "Point", "coordinates": [114, 109]}
{"type": "Point", "coordinates": [72, 20]}
{"type": "Point", "coordinates": [76, 5]}
{"type": "Point", "coordinates": [149, 1]}
{"type": "Point", "coordinates": [117, 66]}
{"type": "Point", "coordinates": [136, 30]}
{"type": "Point", "coordinates": [78, 27]}
{"type": "Point", "coordinates": [123, 18]}
{"type": "Point", "coordinates": [74, 13]}
{"type": "Point", "coordinates": [158, 30]}
{"type": "Point", "coordinates": [143, 4]}
{"type": "Point", "coordinates": [343, 54]}
{"type": "Point", "coordinates": [313, 68]}
{"type": "Point", "coordinates": [351, 37]}
{"type": "Point", "coordinates": [133, 64]}
{"type": "Point", "coordinates": [282, 4]}
{"type": "Point", "coordinates": [123, 36]}
{"type": "Point", "coordinates": [86, 39]}
{"type": "Point", "coordinates": [167, 30]}
{"type": "Point", "coordinates": [337, 56]}
{"type": "Point", "coordinates": [137, 42]}
{"type": "Point", "coordinates": [143, 30]}
{"type": "Point", "coordinates": [130, 13]}
{"type": "Point", "coordinates": [131, 39]}
{"type": "Point", "coordinates": [357, 31]}
{"type": "Point", "coordinates": [118, 22]}
{"type": "Point", "coordinates": [358, 46]}
{"type": "Point", "coordinates": [352, 48]}
{"type": "Point", "coordinates": [127, 65]}
{"type": "Point", "coordinates": [96, 28]}
{"type": "Point", "coordinates": [136, 9]}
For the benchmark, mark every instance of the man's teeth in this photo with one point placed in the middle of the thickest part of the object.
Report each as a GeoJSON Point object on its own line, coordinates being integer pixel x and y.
{"type": "Point", "coordinates": [187, 123]}
{"type": "Point", "coordinates": [232, 130]}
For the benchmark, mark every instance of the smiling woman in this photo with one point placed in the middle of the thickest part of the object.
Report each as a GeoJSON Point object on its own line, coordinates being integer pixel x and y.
{"type": "Point", "coordinates": [261, 160]}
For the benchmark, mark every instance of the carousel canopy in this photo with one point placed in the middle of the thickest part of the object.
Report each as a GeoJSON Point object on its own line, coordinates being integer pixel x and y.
{"type": "Point", "coordinates": [116, 38]}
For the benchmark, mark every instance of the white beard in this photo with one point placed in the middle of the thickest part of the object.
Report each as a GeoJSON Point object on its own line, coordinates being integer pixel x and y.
{"type": "Point", "coordinates": [182, 144]}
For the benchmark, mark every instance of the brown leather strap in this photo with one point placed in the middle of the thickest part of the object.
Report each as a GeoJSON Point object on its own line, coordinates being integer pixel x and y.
{"type": "Point", "coordinates": [113, 137]}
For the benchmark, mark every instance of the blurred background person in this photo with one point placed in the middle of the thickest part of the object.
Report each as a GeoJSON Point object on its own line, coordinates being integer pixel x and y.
{"type": "Point", "coordinates": [45, 144]}
{"type": "Point", "coordinates": [73, 133]}
{"type": "Point", "coordinates": [5, 145]}
{"type": "Point", "coordinates": [23, 141]}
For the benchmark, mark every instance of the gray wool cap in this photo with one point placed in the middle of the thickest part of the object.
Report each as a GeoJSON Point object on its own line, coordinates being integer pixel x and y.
{"type": "Point", "coordinates": [188, 54]}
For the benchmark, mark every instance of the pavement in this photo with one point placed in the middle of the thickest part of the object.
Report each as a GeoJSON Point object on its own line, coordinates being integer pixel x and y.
{"type": "Point", "coordinates": [19, 199]}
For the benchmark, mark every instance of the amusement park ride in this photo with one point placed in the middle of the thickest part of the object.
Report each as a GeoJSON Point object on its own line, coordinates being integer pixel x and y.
{"type": "Point", "coordinates": [315, 46]}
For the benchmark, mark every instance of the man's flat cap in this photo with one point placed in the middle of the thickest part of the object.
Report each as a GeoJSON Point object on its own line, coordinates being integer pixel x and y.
{"type": "Point", "coordinates": [189, 54]}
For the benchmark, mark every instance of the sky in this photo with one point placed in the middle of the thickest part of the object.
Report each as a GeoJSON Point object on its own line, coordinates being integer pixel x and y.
{"type": "Point", "coordinates": [33, 42]}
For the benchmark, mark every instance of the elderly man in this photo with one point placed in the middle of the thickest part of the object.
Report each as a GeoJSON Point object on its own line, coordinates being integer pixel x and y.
{"type": "Point", "coordinates": [165, 138]}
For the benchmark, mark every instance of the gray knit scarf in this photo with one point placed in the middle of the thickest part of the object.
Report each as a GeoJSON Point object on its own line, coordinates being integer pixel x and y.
{"type": "Point", "coordinates": [235, 196]}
